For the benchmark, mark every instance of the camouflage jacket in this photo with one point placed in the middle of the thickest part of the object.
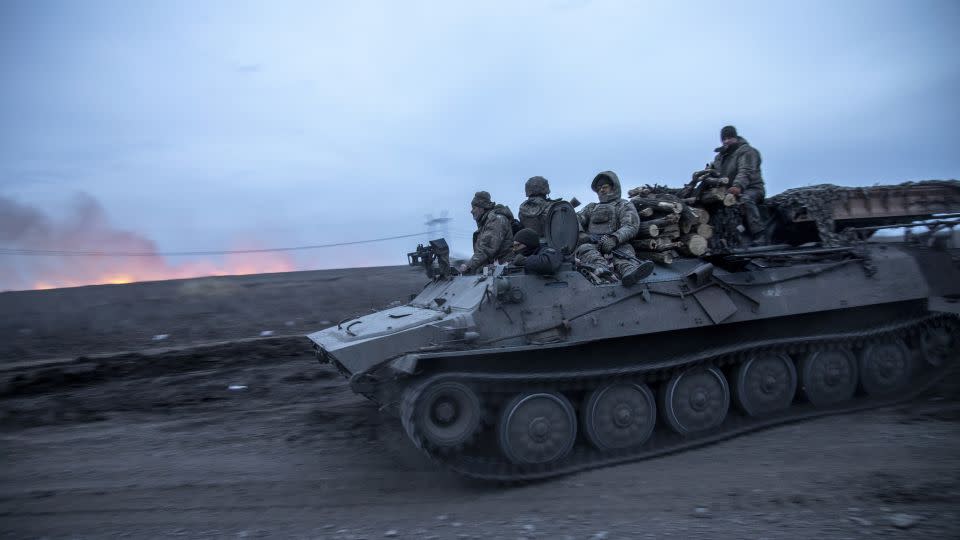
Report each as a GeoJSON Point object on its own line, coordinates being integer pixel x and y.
{"type": "Point", "coordinates": [612, 215]}
{"type": "Point", "coordinates": [533, 212]}
{"type": "Point", "coordinates": [740, 162]}
{"type": "Point", "coordinates": [543, 261]}
{"type": "Point", "coordinates": [493, 239]}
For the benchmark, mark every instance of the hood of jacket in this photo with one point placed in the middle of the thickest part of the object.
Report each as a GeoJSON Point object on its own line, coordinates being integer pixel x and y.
{"type": "Point", "coordinates": [614, 179]}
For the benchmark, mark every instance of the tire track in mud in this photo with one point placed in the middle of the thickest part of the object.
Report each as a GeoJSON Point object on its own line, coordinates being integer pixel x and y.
{"type": "Point", "coordinates": [86, 389]}
{"type": "Point", "coordinates": [135, 439]}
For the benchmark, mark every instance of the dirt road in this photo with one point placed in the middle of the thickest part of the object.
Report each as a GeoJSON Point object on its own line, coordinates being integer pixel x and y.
{"type": "Point", "coordinates": [147, 446]}
{"type": "Point", "coordinates": [160, 446]}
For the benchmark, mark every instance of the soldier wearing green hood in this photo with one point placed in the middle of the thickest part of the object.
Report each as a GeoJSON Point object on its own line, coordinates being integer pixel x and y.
{"type": "Point", "coordinates": [493, 240]}
{"type": "Point", "coordinates": [609, 226]}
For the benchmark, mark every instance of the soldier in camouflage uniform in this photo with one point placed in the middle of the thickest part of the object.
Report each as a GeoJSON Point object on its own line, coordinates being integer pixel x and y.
{"type": "Point", "coordinates": [609, 226]}
{"type": "Point", "coordinates": [532, 256]}
{"type": "Point", "coordinates": [533, 211]}
{"type": "Point", "coordinates": [493, 239]}
{"type": "Point", "coordinates": [740, 162]}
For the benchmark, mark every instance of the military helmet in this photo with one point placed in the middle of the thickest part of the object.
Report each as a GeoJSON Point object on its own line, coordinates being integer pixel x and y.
{"type": "Point", "coordinates": [537, 185]}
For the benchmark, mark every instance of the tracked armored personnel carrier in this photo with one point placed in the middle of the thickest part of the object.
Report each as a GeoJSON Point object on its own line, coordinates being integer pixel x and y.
{"type": "Point", "coordinates": [510, 376]}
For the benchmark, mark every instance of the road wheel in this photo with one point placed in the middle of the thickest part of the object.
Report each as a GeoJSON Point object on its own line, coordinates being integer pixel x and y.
{"type": "Point", "coordinates": [829, 376]}
{"type": "Point", "coordinates": [619, 415]}
{"type": "Point", "coordinates": [445, 414]}
{"type": "Point", "coordinates": [537, 428]}
{"type": "Point", "coordinates": [885, 367]}
{"type": "Point", "coordinates": [765, 383]}
{"type": "Point", "coordinates": [937, 345]}
{"type": "Point", "coordinates": [696, 400]}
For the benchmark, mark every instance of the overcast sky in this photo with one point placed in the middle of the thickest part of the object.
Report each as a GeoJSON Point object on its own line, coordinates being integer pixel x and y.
{"type": "Point", "coordinates": [206, 125]}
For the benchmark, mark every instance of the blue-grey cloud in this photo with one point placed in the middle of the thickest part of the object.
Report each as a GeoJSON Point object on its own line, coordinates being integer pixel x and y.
{"type": "Point", "coordinates": [373, 114]}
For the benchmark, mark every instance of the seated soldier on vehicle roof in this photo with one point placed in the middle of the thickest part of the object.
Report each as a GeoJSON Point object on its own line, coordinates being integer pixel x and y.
{"type": "Point", "coordinates": [740, 162]}
{"type": "Point", "coordinates": [494, 235]}
{"type": "Point", "coordinates": [532, 256]}
{"type": "Point", "coordinates": [609, 226]}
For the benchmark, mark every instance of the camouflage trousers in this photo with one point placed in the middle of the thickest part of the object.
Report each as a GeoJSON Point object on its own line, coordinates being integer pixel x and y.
{"type": "Point", "coordinates": [749, 200]}
{"type": "Point", "coordinates": [590, 255]}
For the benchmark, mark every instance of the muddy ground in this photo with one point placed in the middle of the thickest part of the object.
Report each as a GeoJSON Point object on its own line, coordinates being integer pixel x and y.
{"type": "Point", "coordinates": [147, 445]}
{"type": "Point", "coordinates": [108, 318]}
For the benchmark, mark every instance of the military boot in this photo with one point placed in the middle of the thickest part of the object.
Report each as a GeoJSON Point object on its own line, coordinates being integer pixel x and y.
{"type": "Point", "coordinates": [636, 274]}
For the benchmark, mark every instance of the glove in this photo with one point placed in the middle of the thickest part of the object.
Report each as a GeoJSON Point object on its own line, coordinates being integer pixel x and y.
{"type": "Point", "coordinates": [607, 244]}
{"type": "Point", "coordinates": [734, 190]}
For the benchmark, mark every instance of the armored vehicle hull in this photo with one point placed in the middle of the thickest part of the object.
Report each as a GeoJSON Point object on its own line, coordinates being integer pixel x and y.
{"type": "Point", "coordinates": [510, 376]}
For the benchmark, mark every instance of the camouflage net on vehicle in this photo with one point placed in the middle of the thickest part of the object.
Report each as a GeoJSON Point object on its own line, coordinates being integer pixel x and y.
{"type": "Point", "coordinates": [819, 201]}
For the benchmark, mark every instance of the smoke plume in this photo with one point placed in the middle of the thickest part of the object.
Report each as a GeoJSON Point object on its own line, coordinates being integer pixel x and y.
{"type": "Point", "coordinates": [86, 227]}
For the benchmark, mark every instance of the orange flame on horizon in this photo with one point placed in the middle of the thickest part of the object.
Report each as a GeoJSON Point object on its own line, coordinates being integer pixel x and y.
{"type": "Point", "coordinates": [124, 271]}
{"type": "Point", "coordinates": [86, 227]}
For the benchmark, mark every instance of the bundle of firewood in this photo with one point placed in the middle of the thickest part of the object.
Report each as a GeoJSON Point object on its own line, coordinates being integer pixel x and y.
{"type": "Point", "coordinates": [669, 227]}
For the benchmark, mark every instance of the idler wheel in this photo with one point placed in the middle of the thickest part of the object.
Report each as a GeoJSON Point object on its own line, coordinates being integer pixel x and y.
{"type": "Point", "coordinates": [829, 376]}
{"type": "Point", "coordinates": [445, 414]}
{"type": "Point", "coordinates": [696, 399]}
{"type": "Point", "coordinates": [765, 383]}
{"type": "Point", "coordinates": [937, 345]}
{"type": "Point", "coordinates": [619, 415]}
{"type": "Point", "coordinates": [885, 367]}
{"type": "Point", "coordinates": [537, 428]}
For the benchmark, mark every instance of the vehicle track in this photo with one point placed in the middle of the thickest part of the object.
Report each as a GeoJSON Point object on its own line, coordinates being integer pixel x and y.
{"type": "Point", "coordinates": [497, 388]}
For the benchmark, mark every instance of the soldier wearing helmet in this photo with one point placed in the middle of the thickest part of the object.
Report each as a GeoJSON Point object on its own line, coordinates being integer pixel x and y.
{"type": "Point", "coordinates": [533, 211]}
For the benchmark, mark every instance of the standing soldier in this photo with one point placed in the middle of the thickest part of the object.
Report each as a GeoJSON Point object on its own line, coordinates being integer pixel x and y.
{"type": "Point", "coordinates": [740, 162]}
{"type": "Point", "coordinates": [493, 239]}
{"type": "Point", "coordinates": [609, 226]}
{"type": "Point", "coordinates": [533, 211]}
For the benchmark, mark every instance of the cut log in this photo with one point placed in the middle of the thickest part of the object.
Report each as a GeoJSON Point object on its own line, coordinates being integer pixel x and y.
{"type": "Point", "coordinates": [660, 207]}
{"type": "Point", "coordinates": [670, 231]}
{"type": "Point", "coordinates": [693, 245]}
{"type": "Point", "coordinates": [665, 221]}
{"type": "Point", "coordinates": [646, 211]}
{"type": "Point", "coordinates": [705, 230]}
{"type": "Point", "coordinates": [703, 214]}
{"type": "Point", "coordinates": [688, 221]}
{"type": "Point", "coordinates": [646, 244]}
{"type": "Point", "coordinates": [713, 195]}
{"type": "Point", "coordinates": [647, 229]}
{"type": "Point", "coordinates": [668, 245]}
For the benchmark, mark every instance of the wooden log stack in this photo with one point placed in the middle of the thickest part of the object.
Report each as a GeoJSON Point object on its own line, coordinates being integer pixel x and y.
{"type": "Point", "coordinates": [669, 226]}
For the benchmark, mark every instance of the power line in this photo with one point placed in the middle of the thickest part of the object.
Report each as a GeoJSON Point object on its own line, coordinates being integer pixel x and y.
{"type": "Point", "coordinates": [58, 253]}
